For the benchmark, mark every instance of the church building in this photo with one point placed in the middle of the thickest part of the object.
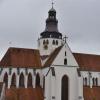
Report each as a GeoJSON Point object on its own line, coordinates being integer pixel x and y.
{"type": "Point", "coordinates": [50, 72]}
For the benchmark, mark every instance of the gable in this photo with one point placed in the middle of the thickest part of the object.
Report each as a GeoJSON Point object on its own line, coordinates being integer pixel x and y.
{"type": "Point", "coordinates": [58, 56]}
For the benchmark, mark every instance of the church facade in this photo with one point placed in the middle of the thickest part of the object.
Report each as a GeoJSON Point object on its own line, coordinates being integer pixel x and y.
{"type": "Point", "coordinates": [51, 72]}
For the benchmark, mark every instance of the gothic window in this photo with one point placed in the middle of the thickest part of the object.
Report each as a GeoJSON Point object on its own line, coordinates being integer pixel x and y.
{"type": "Point", "coordinates": [64, 88]}
{"type": "Point", "coordinates": [56, 42]}
{"type": "Point", "coordinates": [13, 80]}
{"type": "Point", "coordinates": [65, 61]}
{"type": "Point", "coordinates": [53, 42]}
{"type": "Point", "coordinates": [5, 80]}
{"type": "Point", "coordinates": [21, 80]}
{"type": "Point", "coordinates": [43, 41]}
{"type": "Point", "coordinates": [37, 80]}
{"type": "Point", "coordinates": [29, 80]}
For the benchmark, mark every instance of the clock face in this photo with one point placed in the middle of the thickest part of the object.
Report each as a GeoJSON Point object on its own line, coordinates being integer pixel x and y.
{"type": "Point", "coordinates": [45, 47]}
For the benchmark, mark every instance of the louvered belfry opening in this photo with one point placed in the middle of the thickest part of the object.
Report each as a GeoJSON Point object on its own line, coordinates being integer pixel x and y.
{"type": "Point", "coordinates": [37, 80]}
{"type": "Point", "coordinates": [29, 80]}
{"type": "Point", "coordinates": [5, 80]}
{"type": "Point", "coordinates": [13, 80]}
{"type": "Point", "coordinates": [64, 88]}
{"type": "Point", "coordinates": [21, 80]}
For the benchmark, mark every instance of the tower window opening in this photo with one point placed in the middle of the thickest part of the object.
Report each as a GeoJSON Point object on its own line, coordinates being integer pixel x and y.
{"type": "Point", "coordinates": [65, 61]}
{"type": "Point", "coordinates": [47, 41]}
{"type": "Point", "coordinates": [43, 41]}
{"type": "Point", "coordinates": [53, 42]}
{"type": "Point", "coordinates": [56, 42]}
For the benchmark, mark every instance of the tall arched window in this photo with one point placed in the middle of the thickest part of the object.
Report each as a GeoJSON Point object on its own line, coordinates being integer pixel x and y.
{"type": "Point", "coordinates": [37, 80]}
{"type": "Point", "coordinates": [43, 41]}
{"type": "Point", "coordinates": [47, 41]}
{"type": "Point", "coordinates": [21, 80]}
{"type": "Point", "coordinates": [29, 80]}
{"type": "Point", "coordinates": [56, 42]}
{"type": "Point", "coordinates": [53, 42]}
{"type": "Point", "coordinates": [5, 79]}
{"type": "Point", "coordinates": [13, 80]}
{"type": "Point", "coordinates": [64, 88]}
{"type": "Point", "coordinates": [65, 61]}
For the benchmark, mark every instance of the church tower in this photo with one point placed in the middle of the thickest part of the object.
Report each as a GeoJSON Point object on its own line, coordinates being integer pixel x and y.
{"type": "Point", "coordinates": [50, 38]}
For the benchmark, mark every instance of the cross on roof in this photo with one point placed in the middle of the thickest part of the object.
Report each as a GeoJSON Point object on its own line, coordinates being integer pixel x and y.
{"type": "Point", "coordinates": [65, 38]}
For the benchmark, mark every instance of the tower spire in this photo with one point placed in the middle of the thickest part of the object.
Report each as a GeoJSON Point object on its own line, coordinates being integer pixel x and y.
{"type": "Point", "coordinates": [52, 3]}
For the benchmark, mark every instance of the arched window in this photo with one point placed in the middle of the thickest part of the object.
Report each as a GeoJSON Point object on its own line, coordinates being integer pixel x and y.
{"type": "Point", "coordinates": [47, 41]}
{"type": "Point", "coordinates": [13, 80]}
{"type": "Point", "coordinates": [29, 80]}
{"type": "Point", "coordinates": [21, 80]}
{"type": "Point", "coordinates": [65, 53]}
{"type": "Point", "coordinates": [64, 88]}
{"type": "Point", "coordinates": [37, 80]}
{"type": "Point", "coordinates": [65, 61]}
{"type": "Point", "coordinates": [56, 42]}
{"type": "Point", "coordinates": [5, 80]}
{"type": "Point", "coordinates": [53, 42]}
{"type": "Point", "coordinates": [96, 81]}
{"type": "Point", "coordinates": [43, 41]}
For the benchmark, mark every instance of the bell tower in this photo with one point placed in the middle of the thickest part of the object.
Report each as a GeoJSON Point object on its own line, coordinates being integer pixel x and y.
{"type": "Point", "coordinates": [50, 38]}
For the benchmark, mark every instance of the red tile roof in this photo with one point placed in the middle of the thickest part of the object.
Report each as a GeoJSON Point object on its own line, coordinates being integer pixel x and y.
{"type": "Point", "coordinates": [88, 61]}
{"type": "Point", "coordinates": [91, 93]}
{"type": "Point", "coordinates": [21, 57]}
{"type": "Point", "coordinates": [24, 94]}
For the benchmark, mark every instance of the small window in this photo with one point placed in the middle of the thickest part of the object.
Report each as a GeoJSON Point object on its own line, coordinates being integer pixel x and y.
{"type": "Point", "coordinates": [65, 53]}
{"type": "Point", "coordinates": [56, 42]}
{"type": "Point", "coordinates": [65, 61]}
{"type": "Point", "coordinates": [53, 42]}
{"type": "Point", "coordinates": [47, 41]}
{"type": "Point", "coordinates": [43, 41]}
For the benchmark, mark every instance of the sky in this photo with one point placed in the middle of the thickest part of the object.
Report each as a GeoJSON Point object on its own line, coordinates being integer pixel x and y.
{"type": "Point", "coordinates": [22, 21]}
